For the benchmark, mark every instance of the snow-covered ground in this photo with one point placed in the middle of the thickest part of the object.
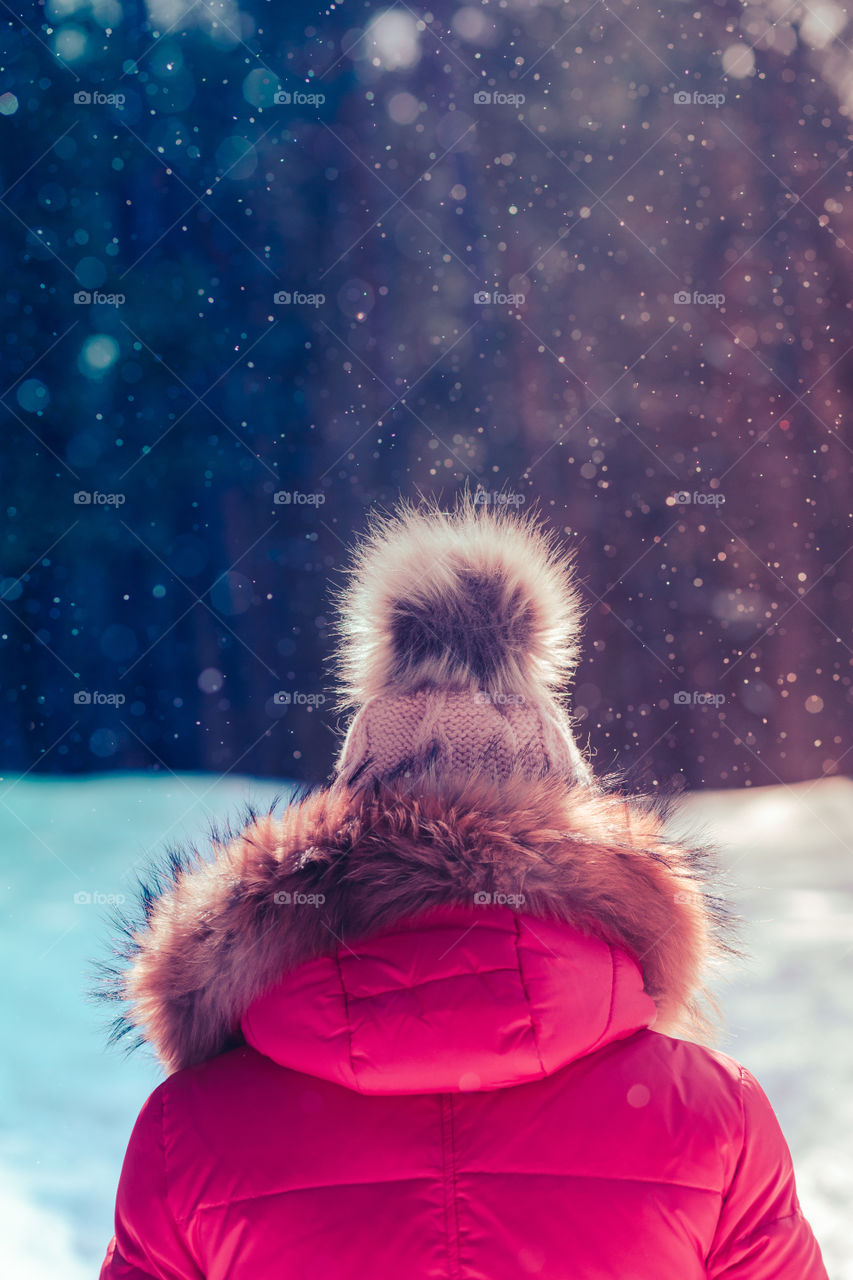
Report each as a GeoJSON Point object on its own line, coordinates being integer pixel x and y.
{"type": "Point", "coordinates": [789, 1011]}
{"type": "Point", "coordinates": [70, 1103]}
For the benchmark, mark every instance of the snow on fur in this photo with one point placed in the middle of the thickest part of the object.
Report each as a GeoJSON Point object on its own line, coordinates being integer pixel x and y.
{"type": "Point", "coordinates": [482, 597]}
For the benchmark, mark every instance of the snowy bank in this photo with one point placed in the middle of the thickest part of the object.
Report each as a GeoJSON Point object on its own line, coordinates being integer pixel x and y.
{"type": "Point", "coordinates": [788, 851]}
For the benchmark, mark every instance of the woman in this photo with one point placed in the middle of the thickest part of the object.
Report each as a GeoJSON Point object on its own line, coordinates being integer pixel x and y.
{"type": "Point", "coordinates": [426, 1022]}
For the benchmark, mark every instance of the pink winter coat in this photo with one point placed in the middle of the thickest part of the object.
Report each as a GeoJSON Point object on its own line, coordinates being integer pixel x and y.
{"type": "Point", "coordinates": [424, 1036]}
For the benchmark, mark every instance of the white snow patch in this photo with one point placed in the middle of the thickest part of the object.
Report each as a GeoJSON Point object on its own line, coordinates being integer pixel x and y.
{"type": "Point", "coordinates": [38, 1243]}
{"type": "Point", "coordinates": [788, 852]}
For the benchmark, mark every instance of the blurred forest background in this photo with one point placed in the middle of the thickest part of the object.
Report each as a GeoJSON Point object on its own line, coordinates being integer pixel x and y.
{"type": "Point", "coordinates": [242, 249]}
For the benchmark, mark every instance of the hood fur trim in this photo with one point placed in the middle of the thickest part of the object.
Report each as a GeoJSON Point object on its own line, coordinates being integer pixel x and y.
{"type": "Point", "coordinates": [216, 934]}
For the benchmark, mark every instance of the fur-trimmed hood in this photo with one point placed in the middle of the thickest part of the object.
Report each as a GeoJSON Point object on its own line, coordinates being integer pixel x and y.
{"type": "Point", "coordinates": [215, 936]}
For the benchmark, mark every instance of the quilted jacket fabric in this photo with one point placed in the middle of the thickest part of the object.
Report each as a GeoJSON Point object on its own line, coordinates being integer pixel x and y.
{"type": "Point", "coordinates": [470, 1092]}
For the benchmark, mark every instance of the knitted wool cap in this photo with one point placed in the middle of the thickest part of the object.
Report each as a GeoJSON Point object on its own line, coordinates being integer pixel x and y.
{"type": "Point", "coordinates": [457, 633]}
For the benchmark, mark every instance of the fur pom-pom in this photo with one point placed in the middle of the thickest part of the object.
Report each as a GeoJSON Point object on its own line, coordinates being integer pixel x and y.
{"type": "Point", "coordinates": [482, 597]}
